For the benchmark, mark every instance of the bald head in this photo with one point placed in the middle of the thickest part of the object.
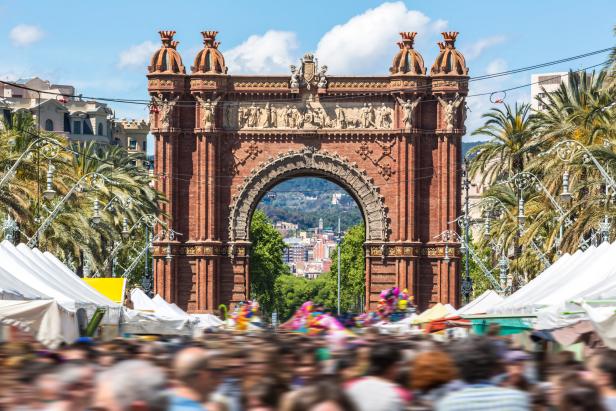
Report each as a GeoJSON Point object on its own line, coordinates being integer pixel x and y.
{"type": "Point", "coordinates": [189, 362]}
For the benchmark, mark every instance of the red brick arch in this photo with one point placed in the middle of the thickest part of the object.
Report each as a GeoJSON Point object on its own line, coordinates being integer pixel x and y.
{"type": "Point", "coordinates": [393, 142]}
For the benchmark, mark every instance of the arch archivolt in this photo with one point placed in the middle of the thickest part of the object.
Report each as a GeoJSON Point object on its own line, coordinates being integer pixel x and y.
{"type": "Point", "coordinates": [308, 161]}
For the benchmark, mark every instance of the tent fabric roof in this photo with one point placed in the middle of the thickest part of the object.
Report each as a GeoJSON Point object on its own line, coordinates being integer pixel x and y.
{"type": "Point", "coordinates": [46, 275]}
{"type": "Point", "coordinates": [481, 304]}
{"type": "Point", "coordinates": [50, 323]}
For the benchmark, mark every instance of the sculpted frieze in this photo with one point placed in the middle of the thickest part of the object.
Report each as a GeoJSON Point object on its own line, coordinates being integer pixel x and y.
{"type": "Point", "coordinates": [308, 115]}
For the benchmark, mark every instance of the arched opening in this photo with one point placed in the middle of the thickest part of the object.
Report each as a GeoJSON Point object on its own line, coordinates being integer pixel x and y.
{"type": "Point", "coordinates": [294, 236]}
{"type": "Point", "coordinates": [99, 129]}
{"type": "Point", "coordinates": [251, 199]}
{"type": "Point", "coordinates": [49, 125]}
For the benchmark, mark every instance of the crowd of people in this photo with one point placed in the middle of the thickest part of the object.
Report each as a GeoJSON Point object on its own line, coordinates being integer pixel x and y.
{"type": "Point", "coordinates": [267, 371]}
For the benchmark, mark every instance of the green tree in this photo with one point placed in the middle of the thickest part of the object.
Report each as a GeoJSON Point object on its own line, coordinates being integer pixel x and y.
{"type": "Point", "coordinates": [266, 263]}
{"type": "Point", "coordinates": [352, 269]}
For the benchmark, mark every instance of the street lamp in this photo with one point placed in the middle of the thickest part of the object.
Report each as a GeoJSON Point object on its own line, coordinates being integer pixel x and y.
{"type": "Point", "coordinates": [565, 195]}
{"type": "Point", "coordinates": [503, 264]}
{"type": "Point", "coordinates": [339, 240]}
{"type": "Point", "coordinates": [54, 213]}
{"type": "Point", "coordinates": [96, 216]}
{"type": "Point", "coordinates": [521, 216]}
{"type": "Point", "coordinates": [9, 227]}
{"type": "Point", "coordinates": [49, 192]}
{"type": "Point", "coordinates": [125, 230]}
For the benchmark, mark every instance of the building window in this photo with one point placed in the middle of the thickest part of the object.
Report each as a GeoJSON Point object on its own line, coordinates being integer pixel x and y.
{"type": "Point", "coordinates": [132, 144]}
{"type": "Point", "coordinates": [77, 127]}
{"type": "Point", "coordinates": [87, 127]}
{"type": "Point", "coordinates": [99, 129]}
{"type": "Point", "coordinates": [49, 125]}
{"type": "Point", "coordinates": [144, 146]}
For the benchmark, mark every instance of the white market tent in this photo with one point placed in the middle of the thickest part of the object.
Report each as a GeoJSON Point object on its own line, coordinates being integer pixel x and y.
{"type": "Point", "coordinates": [154, 316]}
{"type": "Point", "coordinates": [555, 295]}
{"type": "Point", "coordinates": [481, 304]}
{"type": "Point", "coordinates": [50, 323]}
{"type": "Point", "coordinates": [29, 275]}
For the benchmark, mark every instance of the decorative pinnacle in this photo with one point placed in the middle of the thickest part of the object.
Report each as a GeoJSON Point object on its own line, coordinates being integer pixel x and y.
{"type": "Point", "coordinates": [441, 45]}
{"type": "Point", "coordinates": [408, 38]}
{"type": "Point", "coordinates": [209, 38]}
{"type": "Point", "coordinates": [166, 36]}
{"type": "Point", "coordinates": [450, 38]}
{"type": "Point", "coordinates": [174, 44]}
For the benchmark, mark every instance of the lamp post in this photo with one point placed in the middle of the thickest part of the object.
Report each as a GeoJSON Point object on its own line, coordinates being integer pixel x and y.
{"type": "Point", "coordinates": [467, 282]}
{"type": "Point", "coordinates": [9, 228]}
{"type": "Point", "coordinates": [54, 213]}
{"type": "Point", "coordinates": [148, 220]}
{"type": "Point", "coordinates": [567, 151]}
{"type": "Point", "coordinates": [339, 241]}
{"type": "Point", "coordinates": [49, 151]}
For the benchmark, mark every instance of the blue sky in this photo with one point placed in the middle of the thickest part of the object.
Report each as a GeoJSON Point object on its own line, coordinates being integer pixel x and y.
{"type": "Point", "coordinates": [103, 47]}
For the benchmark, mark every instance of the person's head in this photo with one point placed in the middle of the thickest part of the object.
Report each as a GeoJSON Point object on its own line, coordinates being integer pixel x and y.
{"type": "Point", "coordinates": [75, 382]}
{"type": "Point", "coordinates": [384, 360]}
{"type": "Point", "coordinates": [603, 367]}
{"type": "Point", "coordinates": [265, 394]}
{"type": "Point", "coordinates": [579, 394]}
{"type": "Point", "coordinates": [133, 385]}
{"type": "Point", "coordinates": [477, 359]}
{"type": "Point", "coordinates": [197, 368]}
{"type": "Point", "coordinates": [431, 369]}
{"type": "Point", "coordinates": [320, 397]}
{"type": "Point", "coordinates": [235, 363]}
{"type": "Point", "coordinates": [306, 364]}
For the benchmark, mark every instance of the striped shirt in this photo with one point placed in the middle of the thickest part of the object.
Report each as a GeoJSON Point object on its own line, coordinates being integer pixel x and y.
{"type": "Point", "coordinates": [486, 397]}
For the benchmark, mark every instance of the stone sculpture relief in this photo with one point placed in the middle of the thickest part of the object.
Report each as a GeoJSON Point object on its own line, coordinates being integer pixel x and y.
{"type": "Point", "coordinates": [308, 115]}
{"type": "Point", "coordinates": [409, 111]}
{"type": "Point", "coordinates": [165, 109]}
{"type": "Point", "coordinates": [208, 108]}
{"type": "Point", "coordinates": [450, 107]}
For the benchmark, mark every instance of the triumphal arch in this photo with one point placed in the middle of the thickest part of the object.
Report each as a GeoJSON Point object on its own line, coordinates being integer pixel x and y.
{"type": "Point", "coordinates": [224, 139]}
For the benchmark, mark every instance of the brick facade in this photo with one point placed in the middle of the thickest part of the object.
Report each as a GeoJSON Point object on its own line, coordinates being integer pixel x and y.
{"type": "Point", "coordinates": [222, 141]}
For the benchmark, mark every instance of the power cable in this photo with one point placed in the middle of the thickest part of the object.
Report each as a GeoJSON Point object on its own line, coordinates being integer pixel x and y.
{"type": "Point", "coordinates": [191, 103]}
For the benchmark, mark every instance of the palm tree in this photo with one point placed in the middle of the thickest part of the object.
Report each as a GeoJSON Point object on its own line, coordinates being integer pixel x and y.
{"type": "Point", "coordinates": [510, 144]}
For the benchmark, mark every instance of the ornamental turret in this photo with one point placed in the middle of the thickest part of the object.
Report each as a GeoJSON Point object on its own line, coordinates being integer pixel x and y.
{"type": "Point", "coordinates": [449, 61]}
{"type": "Point", "coordinates": [167, 60]}
{"type": "Point", "coordinates": [407, 61]}
{"type": "Point", "coordinates": [209, 60]}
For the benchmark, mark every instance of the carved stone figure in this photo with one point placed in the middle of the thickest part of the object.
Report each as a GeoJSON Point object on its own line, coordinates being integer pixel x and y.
{"type": "Point", "coordinates": [287, 116]}
{"type": "Point", "coordinates": [227, 120]}
{"type": "Point", "coordinates": [207, 115]}
{"type": "Point", "coordinates": [253, 116]}
{"type": "Point", "coordinates": [270, 116]}
{"type": "Point", "coordinates": [450, 108]}
{"type": "Point", "coordinates": [296, 74]}
{"type": "Point", "coordinates": [165, 107]}
{"type": "Point", "coordinates": [297, 119]}
{"type": "Point", "coordinates": [242, 116]}
{"type": "Point", "coordinates": [367, 116]}
{"type": "Point", "coordinates": [320, 118]}
{"type": "Point", "coordinates": [409, 111]}
{"type": "Point", "coordinates": [322, 78]}
{"type": "Point", "coordinates": [340, 117]}
{"type": "Point", "coordinates": [384, 117]}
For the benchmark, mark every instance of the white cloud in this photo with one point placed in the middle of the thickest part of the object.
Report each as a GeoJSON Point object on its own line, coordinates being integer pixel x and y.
{"type": "Point", "coordinates": [475, 49]}
{"type": "Point", "coordinates": [24, 34]}
{"type": "Point", "coordinates": [366, 43]}
{"type": "Point", "coordinates": [137, 55]}
{"type": "Point", "coordinates": [270, 53]}
{"type": "Point", "coordinates": [496, 66]}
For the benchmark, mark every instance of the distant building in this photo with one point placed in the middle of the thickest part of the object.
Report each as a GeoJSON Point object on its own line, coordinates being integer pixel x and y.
{"type": "Point", "coordinates": [544, 83]}
{"type": "Point", "coordinates": [336, 197]}
{"type": "Point", "coordinates": [54, 107]}
{"type": "Point", "coordinates": [285, 228]}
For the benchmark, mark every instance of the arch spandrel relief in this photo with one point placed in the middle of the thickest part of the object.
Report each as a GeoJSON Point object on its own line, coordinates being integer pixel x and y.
{"type": "Point", "coordinates": [313, 162]}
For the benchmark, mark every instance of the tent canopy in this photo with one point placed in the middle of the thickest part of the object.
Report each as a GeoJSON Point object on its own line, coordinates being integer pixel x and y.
{"type": "Point", "coordinates": [481, 304]}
